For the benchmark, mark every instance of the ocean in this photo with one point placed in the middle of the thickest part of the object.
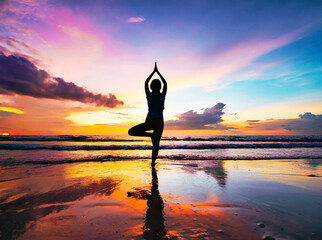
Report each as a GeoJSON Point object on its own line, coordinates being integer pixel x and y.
{"type": "Point", "coordinates": [222, 187]}
{"type": "Point", "coordinates": [16, 150]}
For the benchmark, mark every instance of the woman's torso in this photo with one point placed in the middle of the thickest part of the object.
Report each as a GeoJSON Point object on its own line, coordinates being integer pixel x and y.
{"type": "Point", "coordinates": [156, 105]}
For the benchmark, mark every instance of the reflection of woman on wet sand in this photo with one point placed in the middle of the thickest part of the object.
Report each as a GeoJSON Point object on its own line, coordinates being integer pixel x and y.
{"type": "Point", "coordinates": [154, 220]}
{"type": "Point", "coordinates": [154, 119]}
{"type": "Point", "coordinates": [154, 227]}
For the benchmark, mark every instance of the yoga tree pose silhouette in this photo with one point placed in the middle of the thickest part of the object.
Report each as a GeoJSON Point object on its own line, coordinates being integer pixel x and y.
{"type": "Point", "coordinates": [154, 119]}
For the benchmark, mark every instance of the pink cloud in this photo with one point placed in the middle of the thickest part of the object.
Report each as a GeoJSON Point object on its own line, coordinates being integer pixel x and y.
{"type": "Point", "coordinates": [135, 19]}
{"type": "Point", "coordinates": [66, 43]}
{"type": "Point", "coordinates": [19, 76]}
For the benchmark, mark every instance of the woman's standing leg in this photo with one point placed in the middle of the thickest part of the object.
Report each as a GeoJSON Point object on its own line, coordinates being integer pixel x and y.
{"type": "Point", "coordinates": [157, 133]}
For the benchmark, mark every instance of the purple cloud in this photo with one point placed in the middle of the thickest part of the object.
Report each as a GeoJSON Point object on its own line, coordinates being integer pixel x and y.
{"type": "Point", "coordinates": [20, 76]}
{"type": "Point", "coordinates": [135, 19]}
{"type": "Point", "coordinates": [305, 124]}
{"type": "Point", "coordinates": [209, 119]}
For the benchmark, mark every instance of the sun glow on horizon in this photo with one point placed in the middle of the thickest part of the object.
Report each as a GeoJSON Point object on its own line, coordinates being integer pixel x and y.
{"type": "Point", "coordinates": [101, 117]}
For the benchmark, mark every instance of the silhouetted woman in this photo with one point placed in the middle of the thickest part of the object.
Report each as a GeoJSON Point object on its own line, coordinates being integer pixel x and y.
{"type": "Point", "coordinates": [154, 119]}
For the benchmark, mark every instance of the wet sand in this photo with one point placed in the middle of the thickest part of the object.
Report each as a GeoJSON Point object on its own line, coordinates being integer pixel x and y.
{"type": "Point", "coordinates": [177, 200]}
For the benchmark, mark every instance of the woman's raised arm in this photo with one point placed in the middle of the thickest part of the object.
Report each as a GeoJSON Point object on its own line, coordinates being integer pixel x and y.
{"type": "Point", "coordinates": [165, 85]}
{"type": "Point", "coordinates": [147, 90]}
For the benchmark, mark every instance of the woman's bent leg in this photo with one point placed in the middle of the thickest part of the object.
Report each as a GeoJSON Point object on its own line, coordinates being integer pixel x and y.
{"type": "Point", "coordinates": [140, 130]}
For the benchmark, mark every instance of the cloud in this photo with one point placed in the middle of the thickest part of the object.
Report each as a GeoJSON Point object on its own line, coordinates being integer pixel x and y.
{"type": "Point", "coordinates": [252, 121]}
{"type": "Point", "coordinates": [135, 19]}
{"type": "Point", "coordinates": [20, 76]}
{"type": "Point", "coordinates": [8, 111]}
{"type": "Point", "coordinates": [209, 119]}
{"type": "Point", "coordinates": [16, 45]}
{"type": "Point", "coordinates": [2, 3]}
{"type": "Point", "coordinates": [6, 114]}
{"type": "Point", "coordinates": [305, 124]}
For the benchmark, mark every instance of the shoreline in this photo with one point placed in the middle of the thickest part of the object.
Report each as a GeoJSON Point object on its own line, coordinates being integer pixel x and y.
{"type": "Point", "coordinates": [203, 199]}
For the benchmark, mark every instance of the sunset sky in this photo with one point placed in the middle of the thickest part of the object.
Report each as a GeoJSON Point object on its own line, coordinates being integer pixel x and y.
{"type": "Point", "coordinates": [232, 67]}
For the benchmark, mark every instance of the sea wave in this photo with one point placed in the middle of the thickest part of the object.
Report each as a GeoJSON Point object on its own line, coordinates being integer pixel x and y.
{"type": "Point", "coordinates": [72, 138]}
{"type": "Point", "coordinates": [14, 146]}
{"type": "Point", "coordinates": [63, 139]}
{"type": "Point", "coordinates": [251, 139]}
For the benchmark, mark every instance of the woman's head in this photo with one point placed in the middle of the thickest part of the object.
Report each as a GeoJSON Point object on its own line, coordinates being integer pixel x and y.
{"type": "Point", "coordinates": [155, 85]}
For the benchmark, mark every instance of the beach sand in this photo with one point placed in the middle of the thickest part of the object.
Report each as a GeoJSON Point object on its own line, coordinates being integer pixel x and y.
{"type": "Point", "coordinates": [209, 199]}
